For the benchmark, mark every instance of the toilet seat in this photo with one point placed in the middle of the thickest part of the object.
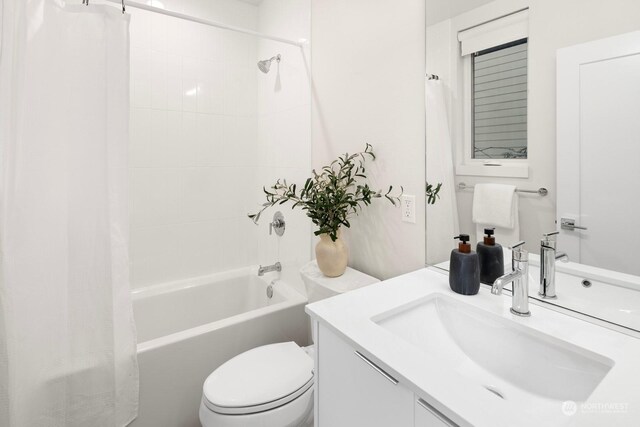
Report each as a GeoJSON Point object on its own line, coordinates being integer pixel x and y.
{"type": "Point", "coordinates": [297, 413]}
{"type": "Point", "coordinates": [258, 380]}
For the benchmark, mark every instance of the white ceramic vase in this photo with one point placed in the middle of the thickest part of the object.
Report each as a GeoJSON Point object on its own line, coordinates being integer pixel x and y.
{"type": "Point", "coordinates": [332, 257]}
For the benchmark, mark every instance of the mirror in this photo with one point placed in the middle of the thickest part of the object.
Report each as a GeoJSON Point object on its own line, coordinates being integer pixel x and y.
{"type": "Point", "coordinates": [543, 96]}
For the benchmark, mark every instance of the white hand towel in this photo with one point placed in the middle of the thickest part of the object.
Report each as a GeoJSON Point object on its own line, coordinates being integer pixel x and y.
{"type": "Point", "coordinates": [493, 204]}
{"type": "Point", "coordinates": [496, 205]}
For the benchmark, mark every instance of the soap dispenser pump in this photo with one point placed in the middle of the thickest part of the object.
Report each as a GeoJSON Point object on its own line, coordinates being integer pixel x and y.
{"type": "Point", "coordinates": [490, 257]}
{"type": "Point", "coordinates": [464, 269]}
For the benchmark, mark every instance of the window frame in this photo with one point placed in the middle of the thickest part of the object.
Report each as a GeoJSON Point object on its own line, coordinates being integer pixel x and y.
{"type": "Point", "coordinates": [466, 164]}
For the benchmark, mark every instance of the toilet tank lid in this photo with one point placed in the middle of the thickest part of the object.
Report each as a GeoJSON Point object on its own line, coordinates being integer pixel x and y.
{"type": "Point", "coordinates": [260, 375]}
{"type": "Point", "coordinates": [350, 280]}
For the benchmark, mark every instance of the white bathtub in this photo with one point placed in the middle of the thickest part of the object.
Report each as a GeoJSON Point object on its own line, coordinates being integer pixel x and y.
{"type": "Point", "coordinates": [187, 329]}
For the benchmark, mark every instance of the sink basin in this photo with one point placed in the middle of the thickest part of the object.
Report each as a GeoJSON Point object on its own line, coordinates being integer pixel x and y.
{"type": "Point", "coordinates": [601, 299]}
{"type": "Point", "coordinates": [509, 359]}
{"type": "Point", "coordinates": [608, 296]}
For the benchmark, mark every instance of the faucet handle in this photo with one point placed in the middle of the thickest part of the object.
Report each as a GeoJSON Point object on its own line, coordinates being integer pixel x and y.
{"type": "Point", "coordinates": [277, 224]}
{"type": "Point", "coordinates": [518, 253]}
{"type": "Point", "coordinates": [515, 246]}
{"type": "Point", "coordinates": [547, 240]}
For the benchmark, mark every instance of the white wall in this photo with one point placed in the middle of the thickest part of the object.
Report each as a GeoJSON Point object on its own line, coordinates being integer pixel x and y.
{"type": "Point", "coordinates": [368, 86]}
{"type": "Point", "coordinates": [196, 161]}
{"type": "Point", "coordinates": [553, 25]}
{"type": "Point", "coordinates": [439, 10]}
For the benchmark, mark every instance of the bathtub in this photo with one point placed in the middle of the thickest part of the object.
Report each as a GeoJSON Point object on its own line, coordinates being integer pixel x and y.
{"type": "Point", "coordinates": [187, 329]}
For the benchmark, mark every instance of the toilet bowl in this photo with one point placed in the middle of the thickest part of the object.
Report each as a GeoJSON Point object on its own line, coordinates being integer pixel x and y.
{"type": "Point", "coordinates": [272, 385]}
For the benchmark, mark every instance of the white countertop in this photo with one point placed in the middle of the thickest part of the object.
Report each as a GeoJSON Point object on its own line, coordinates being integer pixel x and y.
{"type": "Point", "coordinates": [468, 403]}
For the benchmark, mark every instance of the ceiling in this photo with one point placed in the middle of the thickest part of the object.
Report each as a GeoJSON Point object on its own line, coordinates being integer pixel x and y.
{"type": "Point", "coordinates": [439, 10]}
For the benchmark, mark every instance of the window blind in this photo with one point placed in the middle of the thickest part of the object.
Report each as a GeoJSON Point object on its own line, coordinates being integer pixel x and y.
{"type": "Point", "coordinates": [500, 102]}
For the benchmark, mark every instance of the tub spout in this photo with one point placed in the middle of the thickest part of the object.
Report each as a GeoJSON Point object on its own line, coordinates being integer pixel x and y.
{"type": "Point", "coordinates": [274, 267]}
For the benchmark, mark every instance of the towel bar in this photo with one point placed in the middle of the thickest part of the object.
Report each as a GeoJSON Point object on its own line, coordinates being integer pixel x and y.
{"type": "Point", "coordinates": [540, 191]}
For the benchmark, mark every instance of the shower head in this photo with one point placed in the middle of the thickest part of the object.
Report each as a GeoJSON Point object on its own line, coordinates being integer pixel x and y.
{"type": "Point", "coordinates": [266, 64]}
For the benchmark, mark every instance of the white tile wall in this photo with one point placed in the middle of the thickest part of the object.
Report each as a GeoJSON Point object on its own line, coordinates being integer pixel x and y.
{"type": "Point", "coordinates": [284, 129]}
{"type": "Point", "coordinates": [198, 155]}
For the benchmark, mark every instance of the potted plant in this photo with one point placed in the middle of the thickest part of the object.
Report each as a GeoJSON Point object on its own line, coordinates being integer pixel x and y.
{"type": "Point", "coordinates": [330, 198]}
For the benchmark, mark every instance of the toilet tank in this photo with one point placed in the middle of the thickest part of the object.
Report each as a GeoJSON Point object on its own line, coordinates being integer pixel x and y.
{"type": "Point", "coordinates": [318, 286]}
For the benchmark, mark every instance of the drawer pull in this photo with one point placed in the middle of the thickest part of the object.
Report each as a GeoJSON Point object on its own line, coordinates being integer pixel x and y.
{"type": "Point", "coordinates": [439, 415]}
{"type": "Point", "coordinates": [376, 368]}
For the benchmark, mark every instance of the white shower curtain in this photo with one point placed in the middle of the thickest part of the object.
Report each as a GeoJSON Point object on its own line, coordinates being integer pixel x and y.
{"type": "Point", "coordinates": [67, 337]}
{"type": "Point", "coordinates": [442, 218]}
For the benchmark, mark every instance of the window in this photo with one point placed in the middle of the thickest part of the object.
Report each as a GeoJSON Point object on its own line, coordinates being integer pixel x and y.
{"type": "Point", "coordinates": [493, 73]}
{"type": "Point", "coordinates": [499, 110]}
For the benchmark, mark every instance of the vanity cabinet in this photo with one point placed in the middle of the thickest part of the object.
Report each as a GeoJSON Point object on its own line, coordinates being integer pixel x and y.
{"type": "Point", "coordinates": [352, 389]}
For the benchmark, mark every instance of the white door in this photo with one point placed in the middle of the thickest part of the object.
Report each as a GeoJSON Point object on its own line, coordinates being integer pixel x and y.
{"type": "Point", "coordinates": [598, 143]}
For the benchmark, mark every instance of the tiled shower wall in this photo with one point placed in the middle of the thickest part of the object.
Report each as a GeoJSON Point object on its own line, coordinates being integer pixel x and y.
{"type": "Point", "coordinates": [196, 158]}
{"type": "Point", "coordinates": [284, 128]}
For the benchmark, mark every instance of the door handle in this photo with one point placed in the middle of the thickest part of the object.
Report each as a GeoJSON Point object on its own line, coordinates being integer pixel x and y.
{"type": "Point", "coordinates": [439, 415]}
{"type": "Point", "coordinates": [376, 368]}
{"type": "Point", "coordinates": [570, 224]}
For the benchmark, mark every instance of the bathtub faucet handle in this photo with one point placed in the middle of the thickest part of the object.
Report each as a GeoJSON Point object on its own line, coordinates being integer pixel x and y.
{"type": "Point", "coordinates": [277, 224]}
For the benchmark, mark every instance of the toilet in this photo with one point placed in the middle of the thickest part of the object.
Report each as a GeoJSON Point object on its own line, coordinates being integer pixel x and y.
{"type": "Point", "coordinates": [272, 385]}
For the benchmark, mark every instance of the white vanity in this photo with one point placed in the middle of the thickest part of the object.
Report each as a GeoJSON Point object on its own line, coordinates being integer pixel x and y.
{"type": "Point", "coordinates": [410, 352]}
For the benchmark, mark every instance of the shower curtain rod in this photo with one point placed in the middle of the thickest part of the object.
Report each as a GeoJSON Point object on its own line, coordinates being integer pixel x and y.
{"type": "Point", "coordinates": [205, 22]}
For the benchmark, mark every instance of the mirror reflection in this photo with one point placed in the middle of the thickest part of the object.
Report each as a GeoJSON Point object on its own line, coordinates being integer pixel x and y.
{"type": "Point", "coordinates": [533, 131]}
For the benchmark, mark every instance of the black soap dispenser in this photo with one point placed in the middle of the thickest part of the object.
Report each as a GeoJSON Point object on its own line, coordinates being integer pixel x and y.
{"type": "Point", "coordinates": [490, 257]}
{"type": "Point", "coordinates": [464, 270]}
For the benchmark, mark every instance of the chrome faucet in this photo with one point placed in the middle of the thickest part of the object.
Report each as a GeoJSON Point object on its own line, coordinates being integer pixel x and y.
{"type": "Point", "coordinates": [274, 267]}
{"type": "Point", "coordinates": [548, 258]}
{"type": "Point", "coordinates": [520, 278]}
